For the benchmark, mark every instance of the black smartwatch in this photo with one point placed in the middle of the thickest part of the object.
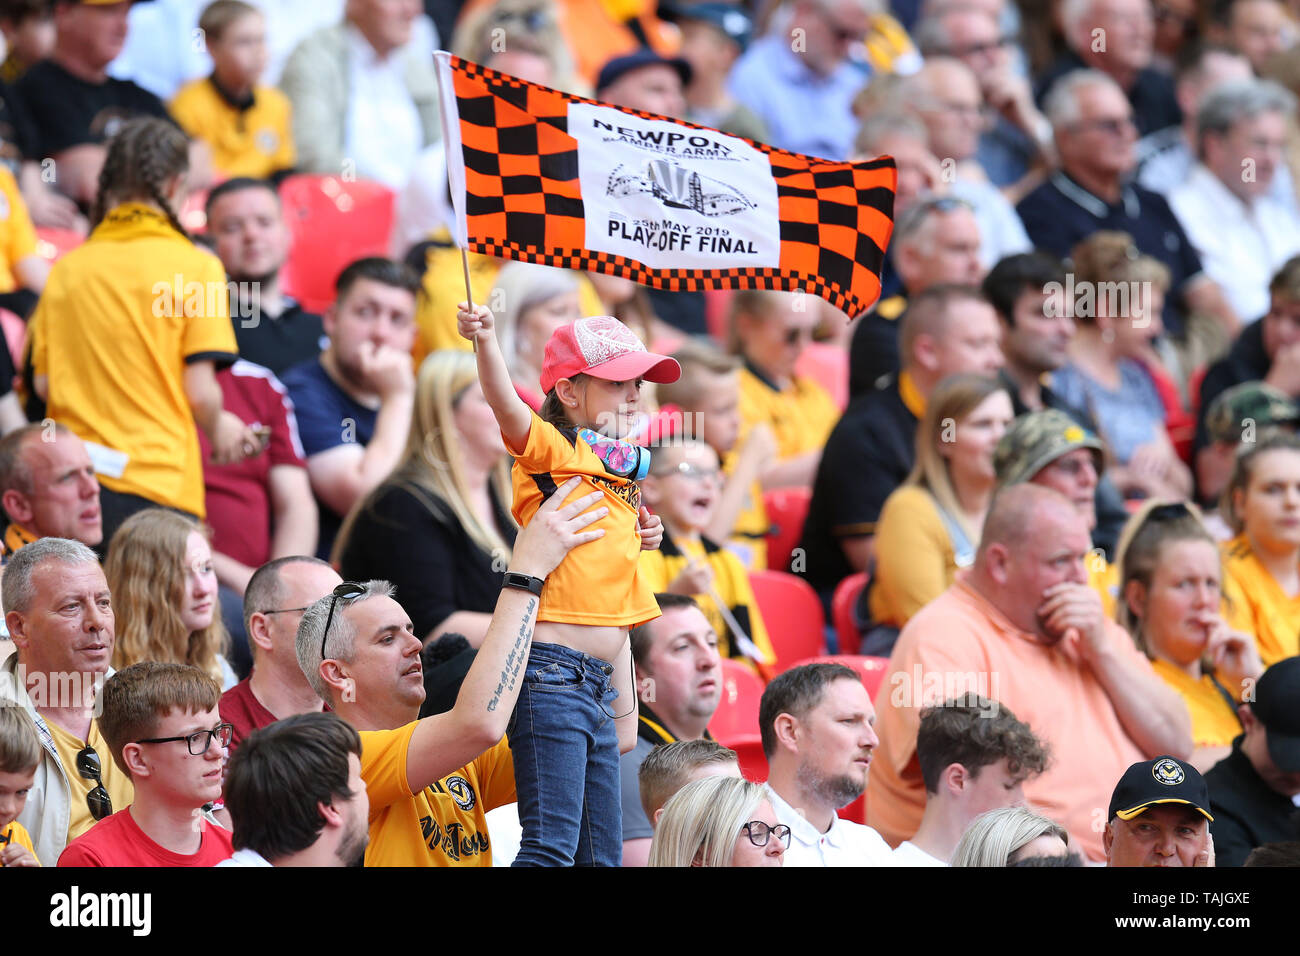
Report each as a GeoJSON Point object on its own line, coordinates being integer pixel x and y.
{"type": "Point", "coordinates": [524, 582]}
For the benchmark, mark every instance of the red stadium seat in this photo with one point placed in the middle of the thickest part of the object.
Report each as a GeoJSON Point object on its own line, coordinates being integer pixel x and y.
{"type": "Point", "coordinates": [871, 670]}
{"type": "Point", "coordinates": [332, 222]}
{"type": "Point", "coordinates": [737, 713]}
{"type": "Point", "coordinates": [750, 756]}
{"type": "Point", "coordinates": [843, 611]}
{"type": "Point", "coordinates": [53, 244]}
{"type": "Point", "coordinates": [786, 510]}
{"type": "Point", "coordinates": [828, 366]}
{"type": "Point", "coordinates": [855, 812]}
{"type": "Point", "coordinates": [792, 613]}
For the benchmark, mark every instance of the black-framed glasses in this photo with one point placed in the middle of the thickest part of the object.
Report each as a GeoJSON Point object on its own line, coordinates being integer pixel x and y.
{"type": "Point", "coordinates": [1111, 127]}
{"type": "Point", "coordinates": [758, 833]}
{"type": "Point", "coordinates": [988, 46]}
{"type": "Point", "coordinates": [97, 800]}
{"type": "Point", "coordinates": [284, 610]}
{"type": "Point", "coordinates": [796, 335]}
{"type": "Point", "coordinates": [200, 740]}
{"type": "Point", "coordinates": [347, 591]}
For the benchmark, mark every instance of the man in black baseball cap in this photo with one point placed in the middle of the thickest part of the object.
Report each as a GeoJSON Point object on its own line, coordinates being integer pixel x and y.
{"type": "Point", "coordinates": [644, 80]}
{"type": "Point", "coordinates": [1256, 787]}
{"type": "Point", "coordinates": [1159, 816]}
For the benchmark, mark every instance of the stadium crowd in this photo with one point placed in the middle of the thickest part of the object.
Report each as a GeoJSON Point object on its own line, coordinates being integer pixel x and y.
{"type": "Point", "coordinates": [1003, 572]}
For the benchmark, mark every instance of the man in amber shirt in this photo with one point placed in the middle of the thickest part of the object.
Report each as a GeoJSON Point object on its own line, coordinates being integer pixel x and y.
{"type": "Point", "coordinates": [431, 781]}
{"type": "Point", "coordinates": [769, 331]}
{"type": "Point", "coordinates": [1022, 627]}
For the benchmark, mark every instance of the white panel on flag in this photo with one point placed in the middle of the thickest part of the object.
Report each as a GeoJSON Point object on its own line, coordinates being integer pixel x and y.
{"type": "Point", "coordinates": [672, 197]}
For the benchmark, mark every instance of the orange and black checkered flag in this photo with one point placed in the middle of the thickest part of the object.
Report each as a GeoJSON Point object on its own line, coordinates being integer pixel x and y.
{"type": "Point", "coordinates": [544, 176]}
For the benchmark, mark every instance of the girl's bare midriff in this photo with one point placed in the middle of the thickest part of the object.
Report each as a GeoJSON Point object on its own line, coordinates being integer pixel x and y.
{"type": "Point", "coordinates": [601, 641]}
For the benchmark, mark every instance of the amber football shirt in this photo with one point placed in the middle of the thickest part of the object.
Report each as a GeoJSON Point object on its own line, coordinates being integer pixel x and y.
{"type": "Point", "coordinates": [801, 415]}
{"type": "Point", "coordinates": [17, 234]}
{"type": "Point", "coordinates": [600, 583]}
{"type": "Point", "coordinates": [120, 318]}
{"type": "Point", "coordinates": [1258, 605]}
{"type": "Point", "coordinates": [120, 789]}
{"type": "Point", "coordinates": [444, 824]}
{"type": "Point", "coordinates": [730, 582]}
{"type": "Point", "coordinates": [254, 138]}
{"type": "Point", "coordinates": [1214, 723]}
{"type": "Point", "coordinates": [16, 834]}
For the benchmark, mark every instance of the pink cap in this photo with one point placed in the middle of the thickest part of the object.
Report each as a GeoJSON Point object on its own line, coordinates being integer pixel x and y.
{"type": "Point", "coordinates": [606, 348]}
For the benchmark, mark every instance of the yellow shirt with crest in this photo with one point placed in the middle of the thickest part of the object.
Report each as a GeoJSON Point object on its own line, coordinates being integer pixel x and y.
{"type": "Point", "coordinates": [255, 141]}
{"type": "Point", "coordinates": [445, 824]}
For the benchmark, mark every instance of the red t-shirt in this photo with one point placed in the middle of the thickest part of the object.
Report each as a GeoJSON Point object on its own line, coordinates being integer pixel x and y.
{"type": "Point", "coordinates": [244, 711]}
{"type": "Point", "coordinates": [119, 841]}
{"type": "Point", "coordinates": [239, 495]}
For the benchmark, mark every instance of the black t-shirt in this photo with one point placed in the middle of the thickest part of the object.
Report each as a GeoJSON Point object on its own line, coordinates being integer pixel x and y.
{"type": "Point", "coordinates": [66, 111]}
{"type": "Point", "coordinates": [1246, 361]}
{"type": "Point", "coordinates": [1247, 812]}
{"type": "Point", "coordinates": [412, 538]}
{"type": "Point", "coordinates": [15, 128]}
{"type": "Point", "coordinates": [869, 453]}
{"type": "Point", "coordinates": [292, 337]}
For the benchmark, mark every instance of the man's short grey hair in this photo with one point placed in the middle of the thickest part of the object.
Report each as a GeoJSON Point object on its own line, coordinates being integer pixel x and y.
{"type": "Point", "coordinates": [880, 127]}
{"type": "Point", "coordinates": [1061, 105]}
{"type": "Point", "coordinates": [342, 636]}
{"type": "Point", "coordinates": [910, 223]}
{"type": "Point", "coordinates": [931, 35]}
{"type": "Point", "coordinates": [18, 591]}
{"type": "Point", "coordinates": [265, 590]}
{"type": "Point", "coordinates": [1230, 103]}
{"type": "Point", "coordinates": [1073, 13]}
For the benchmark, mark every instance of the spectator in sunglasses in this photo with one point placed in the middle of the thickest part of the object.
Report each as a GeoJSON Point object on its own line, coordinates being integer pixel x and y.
{"type": "Point", "coordinates": [719, 821]}
{"type": "Point", "coordinates": [60, 617]}
{"type": "Point", "coordinates": [769, 331]}
{"type": "Point", "coordinates": [162, 726]}
{"type": "Point", "coordinates": [1172, 591]}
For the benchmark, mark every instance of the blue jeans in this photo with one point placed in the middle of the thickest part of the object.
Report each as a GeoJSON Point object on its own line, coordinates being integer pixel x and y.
{"type": "Point", "coordinates": [565, 750]}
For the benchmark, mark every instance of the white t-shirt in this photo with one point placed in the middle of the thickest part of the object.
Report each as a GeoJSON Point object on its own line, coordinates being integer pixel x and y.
{"type": "Point", "coordinates": [844, 844]}
{"type": "Point", "coordinates": [908, 853]}
{"type": "Point", "coordinates": [246, 857]}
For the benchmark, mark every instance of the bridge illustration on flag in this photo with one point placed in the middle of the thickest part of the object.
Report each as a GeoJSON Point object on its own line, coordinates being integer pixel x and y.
{"type": "Point", "coordinates": [544, 176]}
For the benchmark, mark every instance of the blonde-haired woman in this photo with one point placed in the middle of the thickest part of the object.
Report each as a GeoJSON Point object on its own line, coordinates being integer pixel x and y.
{"type": "Point", "coordinates": [159, 570]}
{"type": "Point", "coordinates": [535, 301]}
{"type": "Point", "coordinates": [930, 526]}
{"type": "Point", "coordinates": [439, 527]}
{"type": "Point", "coordinates": [719, 821]}
{"type": "Point", "coordinates": [1171, 600]}
{"type": "Point", "coordinates": [1009, 835]}
{"type": "Point", "coordinates": [1261, 565]}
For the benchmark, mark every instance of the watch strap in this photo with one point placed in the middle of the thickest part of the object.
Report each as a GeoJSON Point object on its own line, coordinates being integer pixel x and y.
{"type": "Point", "coordinates": [524, 582]}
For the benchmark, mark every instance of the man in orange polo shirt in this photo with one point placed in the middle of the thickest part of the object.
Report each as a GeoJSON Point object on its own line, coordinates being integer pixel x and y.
{"type": "Point", "coordinates": [1023, 628]}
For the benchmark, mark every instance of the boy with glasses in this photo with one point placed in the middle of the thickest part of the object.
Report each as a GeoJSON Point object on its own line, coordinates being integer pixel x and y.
{"type": "Point", "coordinates": [161, 723]}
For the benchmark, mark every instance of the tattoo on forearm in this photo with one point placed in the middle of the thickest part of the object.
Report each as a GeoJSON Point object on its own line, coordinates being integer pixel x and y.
{"type": "Point", "coordinates": [516, 658]}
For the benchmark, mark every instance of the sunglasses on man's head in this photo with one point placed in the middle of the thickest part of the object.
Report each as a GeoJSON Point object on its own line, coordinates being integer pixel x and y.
{"type": "Point", "coordinates": [347, 591]}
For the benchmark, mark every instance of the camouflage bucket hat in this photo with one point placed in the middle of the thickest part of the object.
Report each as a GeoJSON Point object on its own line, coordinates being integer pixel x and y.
{"type": "Point", "coordinates": [1260, 403]}
{"type": "Point", "coordinates": [1035, 440]}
